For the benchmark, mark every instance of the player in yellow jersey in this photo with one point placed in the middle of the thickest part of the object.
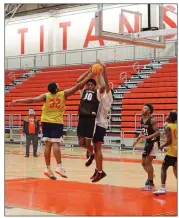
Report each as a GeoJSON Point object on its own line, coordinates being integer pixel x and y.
{"type": "Point", "coordinates": [167, 117]}
{"type": "Point", "coordinates": [171, 156]}
{"type": "Point", "coordinates": [52, 121]}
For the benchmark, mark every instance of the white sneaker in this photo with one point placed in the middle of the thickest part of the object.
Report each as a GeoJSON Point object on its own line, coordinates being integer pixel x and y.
{"type": "Point", "coordinates": [61, 171]}
{"type": "Point", "coordinates": [161, 191]}
{"type": "Point", "coordinates": [49, 173]}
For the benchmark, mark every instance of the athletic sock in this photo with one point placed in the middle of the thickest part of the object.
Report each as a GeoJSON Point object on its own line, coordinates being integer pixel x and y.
{"type": "Point", "coordinates": [163, 186]}
{"type": "Point", "coordinates": [59, 165]}
{"type": "Point", "coordinates": [91, 153]}
{"type": "Point", "coordinates": [48, 167]}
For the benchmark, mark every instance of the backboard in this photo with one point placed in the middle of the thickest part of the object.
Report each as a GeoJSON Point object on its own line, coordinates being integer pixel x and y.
{"type": "Point", "coordinates": [137, 24]}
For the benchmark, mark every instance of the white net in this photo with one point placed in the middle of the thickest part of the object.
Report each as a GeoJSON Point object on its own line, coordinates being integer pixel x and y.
{"type": "Point", "coordinates": [120, 52]}
{"type": "Point", "coordinates": [111, 50]}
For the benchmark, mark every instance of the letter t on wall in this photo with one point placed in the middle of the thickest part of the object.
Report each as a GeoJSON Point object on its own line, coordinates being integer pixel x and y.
{"type": "Point", "coordinates": [64, 26]}
{"type": "Point", "coordinates": [22, 32]}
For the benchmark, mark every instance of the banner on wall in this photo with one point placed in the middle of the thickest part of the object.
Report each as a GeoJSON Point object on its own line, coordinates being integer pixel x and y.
{"type": "Point", "coordinates": [68, 32]}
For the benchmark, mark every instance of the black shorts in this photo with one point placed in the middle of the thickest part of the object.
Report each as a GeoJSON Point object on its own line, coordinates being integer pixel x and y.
{"type": "Point", "coordinates": [100, 132]}
{"type": "Point", "coordinates": [86, 127]}
{"type": "Point", "coordinates": [52, 131]}
{"type": "Point", "coordinates": [150, 149]}
{"type": "Point", "coordinates": [169, 161]}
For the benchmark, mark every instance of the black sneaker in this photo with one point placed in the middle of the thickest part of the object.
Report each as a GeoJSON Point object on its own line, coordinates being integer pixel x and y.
{"type": "Point", "coordinates": [99, 176]}
{"type": "Point", "coordinates": [35, 155]}
{"type": "Point", "coordinates": [26, 156]}
{"type": "Point", "coordinates": [89, 161]}
{"type": "Point", "coordinates": [94, 175]}
{"type": "Point", "coordinates": [147, 182]}
{"type": "Point", "coordinates": [87, 154]}
{"type": "Point", "coordinates": [49, 174]}
{"type": "Point", "coordinates": [53, 178]}
{"type": "Point", "coordinates": [150, 187]}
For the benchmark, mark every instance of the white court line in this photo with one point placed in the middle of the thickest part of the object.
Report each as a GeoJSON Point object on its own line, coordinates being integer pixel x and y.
{"type": "Point", "coordinates": [25, 180]}
{"type": "Point", "coordinates": [167, 213]}
{"type": "Point", "coordinates": [30, 210]}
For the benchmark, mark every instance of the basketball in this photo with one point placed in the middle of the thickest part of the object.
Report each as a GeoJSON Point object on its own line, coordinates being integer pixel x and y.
{"type": "Point", "coordinates": [97, 68]}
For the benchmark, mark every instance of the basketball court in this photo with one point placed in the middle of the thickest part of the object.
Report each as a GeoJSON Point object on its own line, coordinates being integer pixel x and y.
{"type": "Point", "coordinates": [118, 194]}
{"type": "Point", "coordinates": [28, 192]}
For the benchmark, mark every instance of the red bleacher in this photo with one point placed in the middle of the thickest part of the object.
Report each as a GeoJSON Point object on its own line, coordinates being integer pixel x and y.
{"type": "Point", "coordinates": [160, 90]}
{"type": "Point", "coordinates": [9, 75]}
{"type": "Point", "coordinates": [172, 60]}
{"type": "Point", "coordinates": [66, 77]}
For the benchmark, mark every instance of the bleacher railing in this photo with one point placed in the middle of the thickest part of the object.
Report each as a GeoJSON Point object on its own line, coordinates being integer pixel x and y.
{"type": "Point", "coordinates": [13, 120]}
{"type": "Point", "coordinates": [66, 118]}
{"type": "Point", "coordinates": [136, 66]}
{"type": "Point", "coordinates": [158, 117]}
{"type": "Point", "coordinates": [71, 121]}
{"type": "Point", "coordinates": [14, 127]}
{"type": "Point", "coordinates": [12, 75]}
{"type": "Point", "coordinates": [89, 56]}
{"type": "Point", "coordinates": [74, 121]}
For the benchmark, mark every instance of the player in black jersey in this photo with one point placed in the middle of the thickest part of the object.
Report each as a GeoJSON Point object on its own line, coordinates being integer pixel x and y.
{"type": "Point", "coordinates": [90, 98]}
{"type": "Point", "coordinates": [150, 132]}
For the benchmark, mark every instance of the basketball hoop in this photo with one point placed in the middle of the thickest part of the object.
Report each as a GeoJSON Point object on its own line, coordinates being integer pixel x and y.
{"type": "Point", "coordinates": [153, 38]}
{"type": "Point", "coordinates": [111, 50]}
{"type": "Point", "coordinates": [120, 54]}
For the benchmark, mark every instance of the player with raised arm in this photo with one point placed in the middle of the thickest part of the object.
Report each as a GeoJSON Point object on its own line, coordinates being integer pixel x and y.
{"type": "Point", "coordinates": [101, 126]}
{"type": "Point", "coordinates": [52, 121]}
{"type": "Point", "coordinates": [90, 98]}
